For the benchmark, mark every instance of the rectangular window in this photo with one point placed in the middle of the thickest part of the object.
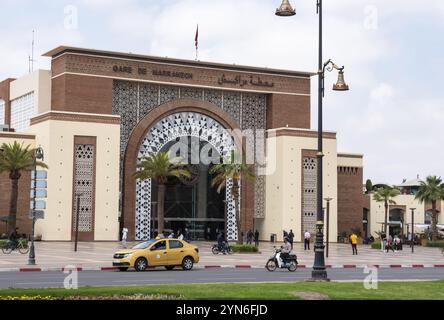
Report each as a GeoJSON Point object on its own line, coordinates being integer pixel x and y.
{"type": "Point", "coordinates": [2, 112]}
{"type": "Point", "coordinates": [22, 110]}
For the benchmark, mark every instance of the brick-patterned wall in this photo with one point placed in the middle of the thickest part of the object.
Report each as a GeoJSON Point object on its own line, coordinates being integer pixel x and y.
{"type": "Point", "coordinates": [350, 199]}
{"type": "Point", "coordinates": [237, 77]}
{"type": "Point", "coordinates": [283, 110]}
{"type": "Point", "coordinates": [23, 222]}
{"type": "Point", "coordinates": [76, 93]}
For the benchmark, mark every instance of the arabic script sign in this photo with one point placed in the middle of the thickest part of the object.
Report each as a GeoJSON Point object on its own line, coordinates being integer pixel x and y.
{"type": "Point", "coordinates": [242, 82]}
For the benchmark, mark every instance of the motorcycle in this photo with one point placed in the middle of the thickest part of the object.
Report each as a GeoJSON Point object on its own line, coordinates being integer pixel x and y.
{"type": "Point", "coordinates": [290, 263]}
{"type": "Point", "coordinates": [225, 249]}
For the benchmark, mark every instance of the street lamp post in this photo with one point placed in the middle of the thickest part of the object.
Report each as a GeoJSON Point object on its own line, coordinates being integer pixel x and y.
{"type": "Point", "coordinates": [328, 225]}
{"type": "Point", "coordinates": [38, 155]}
{"type": "Point", "coordinates": [153, 220]}
{"type": "Point", "coordinates": [77, 220]}
{"type": "Point", "coordinates": [285, 10]}
{"type": "Point", "coordinates": [413, 230]}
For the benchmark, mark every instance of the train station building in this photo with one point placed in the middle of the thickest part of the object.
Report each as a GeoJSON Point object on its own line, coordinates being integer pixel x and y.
{"type": "Point", "coordinates": [96, 114]}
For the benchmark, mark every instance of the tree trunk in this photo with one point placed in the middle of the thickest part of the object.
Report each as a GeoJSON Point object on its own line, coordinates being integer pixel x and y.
{"type": "Point", "coordinates": [235, 192]}
{"type": "Point", "coordinates": [385, 218]}
{"type": "Point", "coordinates": [160, 208]}
{"type": "Point", "coordinates": [12, 223]}
{"type": "Point", "coordinates": [434, 222]}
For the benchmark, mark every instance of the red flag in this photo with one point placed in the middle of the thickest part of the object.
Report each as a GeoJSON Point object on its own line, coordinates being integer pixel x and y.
{"type": "Point", "coordinates": [196, 39]}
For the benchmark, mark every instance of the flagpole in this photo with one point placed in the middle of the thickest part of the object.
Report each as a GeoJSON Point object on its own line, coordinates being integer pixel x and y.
{"type": "Point", "coordinates": [196, 43]}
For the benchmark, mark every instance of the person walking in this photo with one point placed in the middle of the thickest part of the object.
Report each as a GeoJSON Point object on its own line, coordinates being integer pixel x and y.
{"type": "Point", "coordinates": [354, 243]}
{"type": "Point", "coordinates": [389, 245]}
{"type": "Point", "coordinates": [383, 242]}
{"type": "Point", "coordinates": [285, 234]}
{"type": "Point", "coordinates": [256, 238]}
{"type": "Point", "coordinates": [291, 238]}
{"type": "Point", "coordinates": [307, 237]}
{"type": "Point", "coordinates": [124, 237]}
{"type": "Point", "coordinates": [250, 236]}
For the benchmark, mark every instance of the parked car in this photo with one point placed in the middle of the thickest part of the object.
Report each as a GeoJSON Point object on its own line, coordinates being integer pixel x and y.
{"type": "Point", "coordinates": [168, 253]}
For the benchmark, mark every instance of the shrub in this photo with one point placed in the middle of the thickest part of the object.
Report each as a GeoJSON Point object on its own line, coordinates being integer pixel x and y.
{"type": "Point", "coordinates": [376, 245]}
{"type": "Point", "coordinates": [435, 244]}
{"type": "Point", "coordinates": [4, 242]}
{"type": "Point", "coordinates": [244, 248]}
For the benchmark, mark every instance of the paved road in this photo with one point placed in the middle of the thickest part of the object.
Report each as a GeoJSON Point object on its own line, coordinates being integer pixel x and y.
{"type": "Point", "coordinates": [99, 254]}
{"type": "Point", "coordinates": [115, 278]}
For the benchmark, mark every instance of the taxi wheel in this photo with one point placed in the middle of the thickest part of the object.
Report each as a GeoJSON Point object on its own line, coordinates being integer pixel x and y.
{"type": "Point", "coordinates": [141, 264]}
{"type": "Point", "coordinates": [187, 263]}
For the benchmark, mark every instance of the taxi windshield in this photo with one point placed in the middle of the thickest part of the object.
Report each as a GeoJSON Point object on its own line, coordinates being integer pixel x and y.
{"type": "Point", "coordinates": [144, 245]}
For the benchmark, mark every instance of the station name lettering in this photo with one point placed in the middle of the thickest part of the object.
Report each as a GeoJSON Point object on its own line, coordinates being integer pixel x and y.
{"type": "Point", "coordinates": [159, 73]}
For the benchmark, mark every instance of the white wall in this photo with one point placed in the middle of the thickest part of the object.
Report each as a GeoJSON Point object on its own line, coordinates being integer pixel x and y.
{"type": "Point", "coordinates": [57, 139]}
{"type": "Point", "coordinates": [39, 84]}
{"type": "Point", "coordinates": [284, 185]}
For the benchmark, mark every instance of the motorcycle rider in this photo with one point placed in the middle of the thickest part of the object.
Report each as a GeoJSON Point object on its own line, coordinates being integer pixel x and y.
{"type": "Point", "coordinates": [221, 242]}
{"type": "Point", "coordinates": [285, 252]}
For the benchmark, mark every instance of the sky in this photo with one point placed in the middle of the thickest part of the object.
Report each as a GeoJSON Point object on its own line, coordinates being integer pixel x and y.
{"type": "Point", "coordinates": [392, 52]}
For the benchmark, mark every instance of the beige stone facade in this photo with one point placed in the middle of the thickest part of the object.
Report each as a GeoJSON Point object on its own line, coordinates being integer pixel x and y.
{"type": "Point", "coordinates": [94, 111]}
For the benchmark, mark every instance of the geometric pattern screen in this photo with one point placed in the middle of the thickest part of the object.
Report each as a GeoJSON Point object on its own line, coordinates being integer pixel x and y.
{"type": "Point", "coordinates": [132, 101]}
{"type": "Point", "coordinates": [309, 196]}
{"type": "Point", "coordinates": [84, 185]}
{"type": "Point", "coordinates": [172, 127]}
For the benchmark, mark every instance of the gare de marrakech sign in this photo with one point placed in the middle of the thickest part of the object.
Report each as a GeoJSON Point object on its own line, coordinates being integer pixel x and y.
{"type": "Point", "coordinates": [222, 80]}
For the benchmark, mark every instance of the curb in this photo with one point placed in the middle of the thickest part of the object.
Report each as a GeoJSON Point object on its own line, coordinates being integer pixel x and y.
{"type": "Point", "coordinates": [206, 267]}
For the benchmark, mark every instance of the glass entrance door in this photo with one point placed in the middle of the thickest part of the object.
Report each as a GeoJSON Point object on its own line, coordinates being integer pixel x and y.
{"type": "Point", "coordinates": [192, 205]}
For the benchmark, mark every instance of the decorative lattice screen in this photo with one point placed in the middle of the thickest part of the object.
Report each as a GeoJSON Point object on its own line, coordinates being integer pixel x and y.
{"type": "Point", "coordinates": [84, 185]}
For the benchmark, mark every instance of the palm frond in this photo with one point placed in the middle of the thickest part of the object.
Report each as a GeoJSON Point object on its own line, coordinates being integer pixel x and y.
{"type": "Point", "coordinates": [160, 167]}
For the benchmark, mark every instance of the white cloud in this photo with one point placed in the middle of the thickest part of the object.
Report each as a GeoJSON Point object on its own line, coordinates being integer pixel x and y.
{"type": "Point", "coordinates": [397, 128]}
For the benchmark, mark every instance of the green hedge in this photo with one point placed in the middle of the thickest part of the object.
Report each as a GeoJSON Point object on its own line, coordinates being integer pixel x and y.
{"type": "Point", "coordinates": [4, 242]}
{"type": "Point", "coordinates": [435, 244]}
{"type": "Point", "coordinates": [244, 248]}
{"type": "Point", "coordinates": [376, 245]}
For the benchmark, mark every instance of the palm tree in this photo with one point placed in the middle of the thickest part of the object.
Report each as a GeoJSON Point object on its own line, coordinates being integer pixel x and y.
{"type": "Point", "coordinates": [14, 159]}
{"type": "Point", "coordinates": [233, 170]}
{"type": "Point", "coordinates": [386, 195]}
{"type": "Point", "coordinates": [431, 191]}
{"type": "Point", "coordinates": [159, 168]}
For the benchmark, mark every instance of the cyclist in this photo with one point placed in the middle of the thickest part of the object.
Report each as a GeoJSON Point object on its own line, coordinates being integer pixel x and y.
{"type": "Point", "coordinates": [221, 243]}
{"type": "Point", "coordinates": [13, 238]}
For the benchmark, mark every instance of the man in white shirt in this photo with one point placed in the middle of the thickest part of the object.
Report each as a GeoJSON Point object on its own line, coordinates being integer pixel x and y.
{"type": "Point", "coordinates": [307, 237]}
{"type": "Point", "coordinates": [124, 237]}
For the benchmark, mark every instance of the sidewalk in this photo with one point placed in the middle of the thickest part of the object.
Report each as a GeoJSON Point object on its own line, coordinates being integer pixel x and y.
{"type": "Point", "coordinates": [98, 256]}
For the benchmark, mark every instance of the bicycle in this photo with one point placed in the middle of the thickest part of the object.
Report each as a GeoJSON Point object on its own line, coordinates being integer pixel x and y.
{"type": "Point", "coordinates": [225, 249]}
{"type": "Point", "coordinates": [11, 246]}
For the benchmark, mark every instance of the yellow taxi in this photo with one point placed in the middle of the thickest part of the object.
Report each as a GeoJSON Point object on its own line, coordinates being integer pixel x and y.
{"type": "Point", "coordinates": [168, 253]}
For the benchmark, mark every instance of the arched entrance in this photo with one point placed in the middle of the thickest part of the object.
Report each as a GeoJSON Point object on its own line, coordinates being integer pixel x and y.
{"type": "Point", "coordinates": [187, 202]}
{"type": "Point", "coordinates": [158, 131]}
